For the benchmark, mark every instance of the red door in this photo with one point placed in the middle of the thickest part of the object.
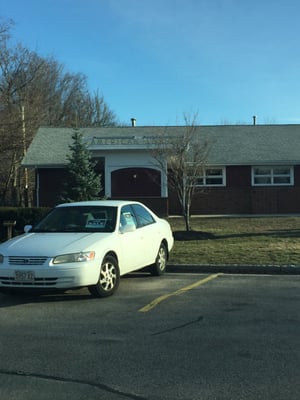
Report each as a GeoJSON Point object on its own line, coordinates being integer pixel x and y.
{"type": "Point", "coordinates": [136, 182]}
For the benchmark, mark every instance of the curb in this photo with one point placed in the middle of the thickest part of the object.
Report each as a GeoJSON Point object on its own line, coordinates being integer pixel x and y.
{"type": "Point", "coordinates": [235, 269]}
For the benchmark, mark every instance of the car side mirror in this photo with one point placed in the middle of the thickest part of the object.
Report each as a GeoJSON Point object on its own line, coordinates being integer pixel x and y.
{"type": "Point", "coordinates": [27, 228]}
{"type": "Point", "coordinates": [127, 228]}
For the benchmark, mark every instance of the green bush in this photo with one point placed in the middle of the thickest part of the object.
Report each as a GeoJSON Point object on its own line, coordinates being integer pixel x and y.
{"type": "Point", "coordinates": [22, 216]}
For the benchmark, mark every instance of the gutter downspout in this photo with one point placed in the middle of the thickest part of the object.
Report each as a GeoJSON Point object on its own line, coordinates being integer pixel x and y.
{"type": "Point", "coordinates": [37, 187]}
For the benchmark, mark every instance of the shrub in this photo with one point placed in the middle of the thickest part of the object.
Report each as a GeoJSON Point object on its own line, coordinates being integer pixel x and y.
{"type": "Point", "coordinates": [22, 216]}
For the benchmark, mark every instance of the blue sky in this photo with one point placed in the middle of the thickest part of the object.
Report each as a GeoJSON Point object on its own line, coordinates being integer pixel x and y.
{"type": "Point", "coordinates": [155, 60]}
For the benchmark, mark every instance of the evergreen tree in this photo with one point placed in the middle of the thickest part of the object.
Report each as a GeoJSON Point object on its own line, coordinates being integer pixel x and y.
{"type": "Point", "coordinates": [82, 182]}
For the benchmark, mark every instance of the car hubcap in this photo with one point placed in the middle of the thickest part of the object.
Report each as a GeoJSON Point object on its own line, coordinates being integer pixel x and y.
{"type": "Point", "coordinates": [108, 276]}
{"type": "Point", "coordinates": [161, 259]}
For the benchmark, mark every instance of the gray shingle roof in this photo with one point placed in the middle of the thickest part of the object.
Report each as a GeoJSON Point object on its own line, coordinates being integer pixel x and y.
{"type": "Point", "coordinates": [230, 144]}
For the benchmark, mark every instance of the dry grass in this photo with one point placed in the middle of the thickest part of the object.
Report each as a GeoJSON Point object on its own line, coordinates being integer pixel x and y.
{"type": "Point", "coordinates": [229, 240]}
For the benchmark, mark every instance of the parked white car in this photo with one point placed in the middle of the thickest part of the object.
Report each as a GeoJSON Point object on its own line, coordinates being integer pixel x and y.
{"type": "Point", "coordinates": [89, 244]}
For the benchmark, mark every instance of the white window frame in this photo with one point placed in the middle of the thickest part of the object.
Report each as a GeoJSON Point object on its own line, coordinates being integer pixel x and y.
{"type": "Point", "coordinates": [206, 177]}
{"type": "Point", "coordinates": [271, 176]}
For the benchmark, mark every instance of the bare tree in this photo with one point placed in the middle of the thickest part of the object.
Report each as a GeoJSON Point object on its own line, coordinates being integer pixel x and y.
{"type": "Point", "coordinates": [5, 27]}
{"type": "Point", "coordinates": [37, 91]}
{"type": "Point", "coordinates": [183, 158]}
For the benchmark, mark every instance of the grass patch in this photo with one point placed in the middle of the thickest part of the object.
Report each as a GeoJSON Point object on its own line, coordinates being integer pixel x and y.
{"type": "Point", "coordinates": [232, 240]}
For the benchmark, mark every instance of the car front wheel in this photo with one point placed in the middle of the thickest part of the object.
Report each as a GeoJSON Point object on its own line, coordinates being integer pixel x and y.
{"type": "Point", "coordinates": [109, 278]}
{"type": "Point", "coordinates": [160, 265]}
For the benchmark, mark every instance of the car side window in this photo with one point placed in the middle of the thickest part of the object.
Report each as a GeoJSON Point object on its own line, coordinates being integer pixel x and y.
{"type": "Point", "coordinates": [127, 216]}
{"type": "Point", "coordinates": [142, 215]}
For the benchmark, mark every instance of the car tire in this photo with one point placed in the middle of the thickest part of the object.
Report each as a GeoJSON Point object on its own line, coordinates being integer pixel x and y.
{"type": "Point", "coordinates": [160, 265]}
{"type": "Point", "coordinates": [109, 278]}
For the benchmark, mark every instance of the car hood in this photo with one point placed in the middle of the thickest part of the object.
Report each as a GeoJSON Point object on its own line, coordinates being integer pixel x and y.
{"type": "Point", "coordinates": [51, 244]}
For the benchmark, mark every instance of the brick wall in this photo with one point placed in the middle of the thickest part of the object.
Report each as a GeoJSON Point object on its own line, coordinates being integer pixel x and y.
{"type": "Point", "coordinates": [239, 197]}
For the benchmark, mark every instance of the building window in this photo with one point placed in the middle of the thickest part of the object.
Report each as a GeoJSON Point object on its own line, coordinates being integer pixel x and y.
{"type": "Point", "coordinates": [272, 176]}
{"type": "Point", "coordinates": [212, 177]}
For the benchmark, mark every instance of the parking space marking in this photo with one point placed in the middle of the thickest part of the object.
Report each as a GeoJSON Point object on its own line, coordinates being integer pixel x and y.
{"type": "Point", "coordinates": [159, 299]}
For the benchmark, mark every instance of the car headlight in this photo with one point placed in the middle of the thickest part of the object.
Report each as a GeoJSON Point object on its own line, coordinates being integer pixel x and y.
{"type": "Point", "coordinates": [74, 257]}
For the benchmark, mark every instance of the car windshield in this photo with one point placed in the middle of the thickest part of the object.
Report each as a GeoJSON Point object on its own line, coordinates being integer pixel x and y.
{"type": "Point", "coordinates": [79, 219]}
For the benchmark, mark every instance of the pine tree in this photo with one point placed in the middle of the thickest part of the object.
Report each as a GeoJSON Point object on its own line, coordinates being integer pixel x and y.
{"type": "Point", "coordinates": [82, 182]}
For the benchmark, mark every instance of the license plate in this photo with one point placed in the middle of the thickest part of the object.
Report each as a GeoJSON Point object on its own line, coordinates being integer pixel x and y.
{"type": "Point", "coordinates": [24, 276]}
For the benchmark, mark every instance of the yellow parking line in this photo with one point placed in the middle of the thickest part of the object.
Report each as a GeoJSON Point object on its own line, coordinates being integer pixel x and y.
{"type": "Point", "coordinates": [159, 299]}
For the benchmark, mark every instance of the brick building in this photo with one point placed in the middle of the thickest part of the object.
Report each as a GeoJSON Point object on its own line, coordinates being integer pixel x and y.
{"type": "Point", "coordinates": [251, 169]}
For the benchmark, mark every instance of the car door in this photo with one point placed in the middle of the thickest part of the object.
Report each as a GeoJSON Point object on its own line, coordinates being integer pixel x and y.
{"type": "Point", "coordinates": [131, 241]}
{"type": "Point", "coordinates": [150, 236]}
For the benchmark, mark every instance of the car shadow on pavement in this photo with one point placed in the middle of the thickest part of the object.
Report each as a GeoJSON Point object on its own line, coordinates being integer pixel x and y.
{"type": "Point", "coordinates": [12, 297]}
{"type": "Point", "coordinates": [26, 297]}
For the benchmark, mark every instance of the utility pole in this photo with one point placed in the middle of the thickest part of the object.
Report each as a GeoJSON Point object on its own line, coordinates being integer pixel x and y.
{"type": "Point", "coordinates": [26, 194]}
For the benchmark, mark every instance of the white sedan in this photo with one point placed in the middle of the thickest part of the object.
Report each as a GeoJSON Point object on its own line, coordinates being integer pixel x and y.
{"type": "Point", "coordinates": [90, 244]}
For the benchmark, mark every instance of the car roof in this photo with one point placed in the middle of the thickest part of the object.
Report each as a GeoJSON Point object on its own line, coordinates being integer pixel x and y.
{"type": "Point", "coordinates": [109, 203]}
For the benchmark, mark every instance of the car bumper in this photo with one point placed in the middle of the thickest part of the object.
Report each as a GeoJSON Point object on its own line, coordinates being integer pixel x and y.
{"type": "Point", "coordinates": [67, 277]}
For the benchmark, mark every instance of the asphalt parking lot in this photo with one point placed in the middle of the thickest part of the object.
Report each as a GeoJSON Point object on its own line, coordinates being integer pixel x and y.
{"type": "Point", "coordinates": [179, 336]}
